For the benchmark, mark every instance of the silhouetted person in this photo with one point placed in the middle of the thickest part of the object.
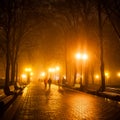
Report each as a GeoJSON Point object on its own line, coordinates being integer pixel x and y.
{"type": "Point", "coordinates": [45, 82]}
{"type": "Point", "coordinates": [63, 81]}
{"type": "Point", "coordinates": [49, 82]}
{"type": "Point", "coordinates": [59, 83]}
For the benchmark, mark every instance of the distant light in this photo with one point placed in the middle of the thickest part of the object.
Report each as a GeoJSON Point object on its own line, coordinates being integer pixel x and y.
{"type": "Point", "coordinates": [84, 56]}
{"type": "Point", "coordinates": [57, 78]}
{"type": "Point", "coordinates": [42, 74]}
{"type": "Point", "coordinates": [81, 76]}
{"type": "Point", "coordinates": [24, 76]}
{"type": "Point", "coordinates": [57, 68]}
{"type": "Point", "coordinates": [51, 70]}
{"type": "Point", "coordinates": [97, 76]}
{"type": "Point", "coordinates": [78, 56]}
{"type": "Point", "coordinates": [64, 77]}
{"type": "Point", "coordinates": [28, 69]}
{"type": "Point", "coordinates": [118, 74]}
{"type": "Point", "coordinates": [107, 74]}
{"type": "Point", "coordinates": [31, 73]}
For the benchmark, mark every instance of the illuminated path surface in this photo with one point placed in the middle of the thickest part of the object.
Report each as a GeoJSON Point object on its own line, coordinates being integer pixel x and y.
{"type": "Point", "coordinates": [36, 103]}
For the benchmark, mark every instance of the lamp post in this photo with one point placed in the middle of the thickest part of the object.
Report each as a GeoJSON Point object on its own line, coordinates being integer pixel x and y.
{"type": "Point", "coordinates": [102, 88]}
{"type": "Point", "coordinates": [82, 57]}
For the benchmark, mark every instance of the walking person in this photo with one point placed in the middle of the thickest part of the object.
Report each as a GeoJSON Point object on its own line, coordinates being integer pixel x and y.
{"type": "Point", "coordinates": [49, 82]}
{"type": "Point", "coordinates": [59, 83]}
{"type": "Point", "coordinates": [45, 82]}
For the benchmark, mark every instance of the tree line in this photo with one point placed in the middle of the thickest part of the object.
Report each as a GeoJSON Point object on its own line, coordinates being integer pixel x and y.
{"type": "Point", "coordinates": [72, 16]}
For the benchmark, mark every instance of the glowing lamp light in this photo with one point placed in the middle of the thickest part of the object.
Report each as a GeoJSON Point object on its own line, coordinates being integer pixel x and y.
{"type": "Point", "coordinates": [78, 56]}
{"type": "Point", "coordinates": [42, 74]}
{"type": "Point", "coordinates": [24, 76]}
{"type": "Point", "coordinates": [118, 74]}
{"type": "Point", "coordinates": [28, 69]}
{"type": "Point", "coordinates": [81, 56]}
{"type": "Point", "coordinates": [51, 70]}
{"type": "Point", "coordinates": [107, 74]}
{"type": "Point", "coordinates": [57, 68]}
{"type": "Point", "coordinates": [84, 56]}
{"type": "Point", "coordinates": [57, 78]}
{"type": "Point", "coordinates": [97, 76]}
{"type": "Point", "coordinates": [31, 73]}
{"type": "Point", "coordinates": [64, 76]}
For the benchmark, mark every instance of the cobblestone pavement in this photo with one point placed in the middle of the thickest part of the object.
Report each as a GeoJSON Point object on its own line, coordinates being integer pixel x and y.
{"type": "Point", "coordinates": [38, 103]}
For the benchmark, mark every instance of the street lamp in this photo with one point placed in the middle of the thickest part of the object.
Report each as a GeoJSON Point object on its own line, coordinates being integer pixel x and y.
{"type": "Point", "coordinates": [42, 74]}
{"type": "Point", "coordinates": [78, 56]}
{"type": "Point", "coordinates": [82, 57]}
{"type": "Point", "coordinates": [28, 69]}
{"type": "Point", "coordinates": [107, 76]}
{"type": "Point", "coordinates": [23, 78]}
{"type": "Point", "coordinates": [97, 78]}
{"type": "Point", "coordinates": [57, 68]}
{"type": "Point", "coordinates": [118, 74]}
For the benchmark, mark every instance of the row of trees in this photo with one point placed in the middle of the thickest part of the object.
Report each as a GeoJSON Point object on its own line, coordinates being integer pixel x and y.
{"type": "Point", "coordinates": [82, 17]}
{"type": "Point", "coordinates": [73, 17]}
{"type": "Point", "coordinates": [12, 29]}
{"type": "Point", "coordinates": [17, 19]}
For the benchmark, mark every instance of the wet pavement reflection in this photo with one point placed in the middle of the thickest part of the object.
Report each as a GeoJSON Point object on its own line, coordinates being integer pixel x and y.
{"type": "Point", "coordinates": [38, 103]}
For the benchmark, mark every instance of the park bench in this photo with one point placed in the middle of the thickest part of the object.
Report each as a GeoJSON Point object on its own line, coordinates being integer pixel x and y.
{"type": "Point", "coordinates": [4, 99]}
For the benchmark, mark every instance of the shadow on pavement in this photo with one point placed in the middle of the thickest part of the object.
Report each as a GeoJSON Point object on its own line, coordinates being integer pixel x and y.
{"type": "Point", "coordinates": [5, 105]}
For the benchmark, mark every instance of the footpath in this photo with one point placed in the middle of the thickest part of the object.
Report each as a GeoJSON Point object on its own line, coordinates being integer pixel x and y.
{"type": "Point", "coordinates": [6, 102]}
{"type": "Point", "coordinates": [110, 93]}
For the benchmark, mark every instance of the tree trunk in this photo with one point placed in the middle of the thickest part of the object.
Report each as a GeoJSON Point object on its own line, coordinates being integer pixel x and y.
{"type": "Point", "coordinates": [75, 72]}
{"type": "Point", "coordinates": [12, 72]}
{"type": "Point", "coordinates": [101, 47]}
{"type": "Point", "coordinates": [8, 52]}
{"type": "Point", "coordinates": [6, 86]}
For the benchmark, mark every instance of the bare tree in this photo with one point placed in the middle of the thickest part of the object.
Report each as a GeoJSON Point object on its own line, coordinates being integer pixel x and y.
{"type": "Point", "coordinates": [112, 10]}
{"type": "Point", "coordinates": [73, 16]}
{"type": "Point", "coordinates": [13, 28]}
